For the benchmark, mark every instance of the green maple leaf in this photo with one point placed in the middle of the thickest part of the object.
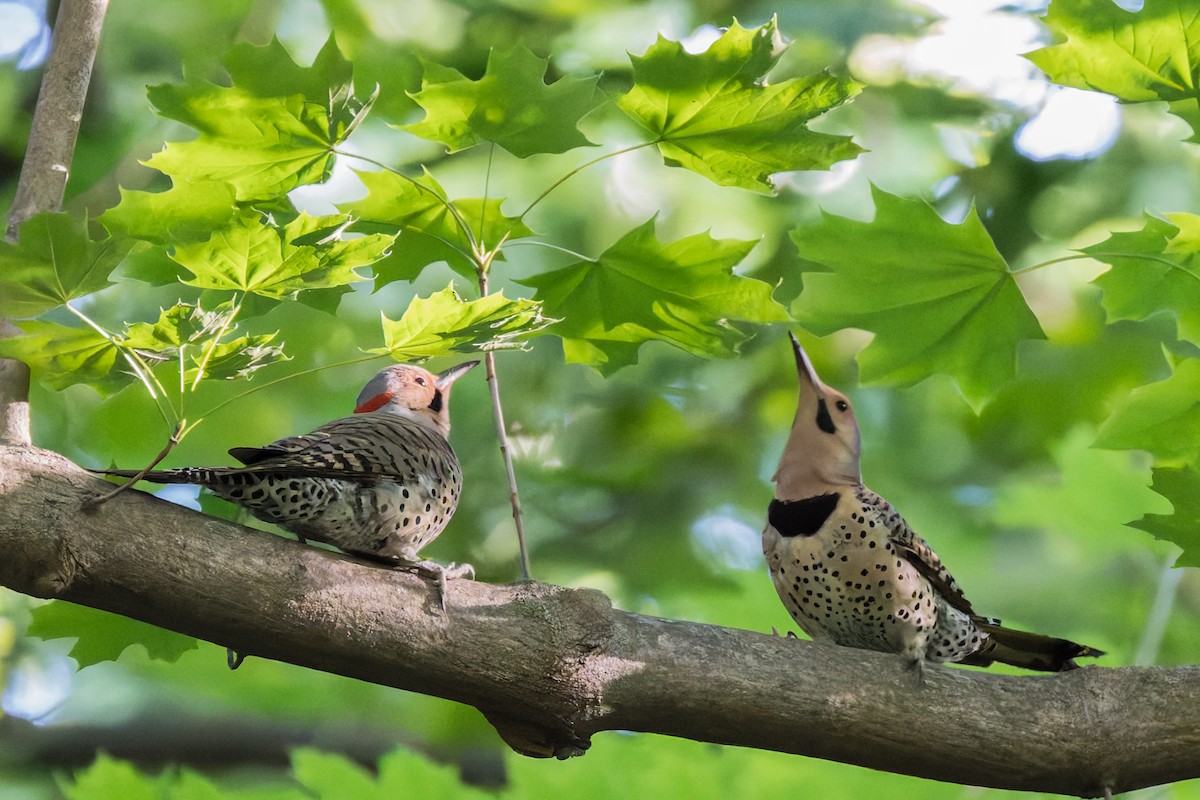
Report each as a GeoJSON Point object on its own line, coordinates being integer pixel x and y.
{"type": "Point", "coordinates": [1152, 54]}
{"type": "Point", "coordinates": [1162, 417]}
{"type": "Point", "coordinates": [101, 636]}
{"type": "Point", "coordinates": [254, 256]}
{"type": "Point", "coordinates": [715, 114]}
{"type": "Point", "coordinates": [61, 356]}
{"type": "Point", "coordinates": [1182, 487]}
{"type": "Point", "coordinates": [184, 213]}
{"type": "Point", "coordinates": [198, 334]}
{"type": "Point", "coordinates": [511, 105]}
{"type": "Point", "coordinates": [273, 130]}
{"type": "Point", "coordinates": [641, 289]}
{"type": "Point", "coordinates": [444, 323]}
{"type": "Point", "coordinates": [419, 210]}
{"type": "Point", "coordinates": [1154, 269]}
{"type": "Point", "coordinates": [52, 263]}
{"type": "Point", "coordinates": [938, 297]}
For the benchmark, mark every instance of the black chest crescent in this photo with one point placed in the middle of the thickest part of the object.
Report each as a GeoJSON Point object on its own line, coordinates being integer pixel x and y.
{"type": "Point", "coordinates": [801, 517]}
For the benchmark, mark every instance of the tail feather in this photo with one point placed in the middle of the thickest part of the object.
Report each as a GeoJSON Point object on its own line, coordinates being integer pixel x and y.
{"type": "Point", "coordinates": [1027, 650]}
{"type": "Point", "coordinates": [197, 475]}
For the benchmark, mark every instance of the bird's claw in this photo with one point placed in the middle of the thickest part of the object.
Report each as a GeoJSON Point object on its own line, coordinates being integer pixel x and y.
{"type": "Point", "coordinates": [439, 574]}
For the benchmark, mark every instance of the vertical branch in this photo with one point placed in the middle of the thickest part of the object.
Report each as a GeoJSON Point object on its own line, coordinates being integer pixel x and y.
{"type": "Point", "coordinates": [59, 110]}
{"type": "Point", "coordinates": [47, 163]}
{"type": "Point", "coordinates": [514, 496]}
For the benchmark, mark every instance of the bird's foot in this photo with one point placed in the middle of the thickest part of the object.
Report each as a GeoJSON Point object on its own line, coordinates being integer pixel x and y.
{"type": "Point", "coordinates": [788, 635]}
{"type": "Point", "coordinates": [233, 659]}
{"type": "Point", "coordinates": [917, 665]}
{"type": "Point", "coordinates": [439, 574]}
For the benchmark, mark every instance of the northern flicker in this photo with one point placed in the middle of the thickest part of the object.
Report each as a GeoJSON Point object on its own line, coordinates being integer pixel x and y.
{"type": "Point", "coordinates": [851, 571]}
{"type": "Point", "coordinates": [381, 483]}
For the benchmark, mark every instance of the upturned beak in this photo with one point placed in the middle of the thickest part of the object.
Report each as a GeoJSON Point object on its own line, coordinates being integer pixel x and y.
{"type": "Point", "coordinates": [809, 379]}
{"type": "Point", "coordinates": [804, 367]}
{"type": "Point", "coordinates": [446, 378]}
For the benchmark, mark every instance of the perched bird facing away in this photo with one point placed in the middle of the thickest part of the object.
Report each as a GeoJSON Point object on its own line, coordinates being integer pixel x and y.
{"type": "Point", "coordinates": [381, 483]}
{"type": "Point", "coordinates": [850, 570]}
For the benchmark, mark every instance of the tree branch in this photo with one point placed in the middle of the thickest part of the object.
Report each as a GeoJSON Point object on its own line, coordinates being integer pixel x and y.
{"type": "Point", "coordinates": [47, 163]}
{"type": "Point", "coordinates": [550, 667]}
{"type": "Point", "coordinates": [59, 110]}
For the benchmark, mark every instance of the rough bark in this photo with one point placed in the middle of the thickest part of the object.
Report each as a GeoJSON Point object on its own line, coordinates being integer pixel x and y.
{"type": "Point", "coordinates": [551, 666]}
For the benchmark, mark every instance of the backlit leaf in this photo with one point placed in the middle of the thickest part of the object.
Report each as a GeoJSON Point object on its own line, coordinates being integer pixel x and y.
{"type": "Point", "coordinates": [1182, 487]}
{"type": "Point", "coordinates": [715, 113]}
{"type": "Point", "coordinates": [641, 289]}
{"type": "Point", "coordinates": [256, 256]}
{"type": "Point", "coordinates": [1154, 269]}
{"type": "Point", "coordinates": [1162, 417]}
{"type": "Point", "coordinates": [938, 297]}
{"type": "Point", "coordinates": [444, 323]}
{"type": "Point", "coordinates": [1142, 56]}
{"type": "Point", "coordinates": [510, 105]}
{"type": "Point", "coordinates": [53, 261]}
{"type": "Point", "coordinates": [101, 636]}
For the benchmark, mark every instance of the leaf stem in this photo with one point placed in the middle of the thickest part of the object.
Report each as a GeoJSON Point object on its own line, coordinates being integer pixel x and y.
{"type": "Point", "coordinates": [176, 435]}
{"type": "Point", "coordinates": [216, 340]}
{"type": "Point", "coordinates": [1051, 262]}
{"type": "Point", "coordinates": [580, 169]}
{"type": "Point", "coordinates": [261, 386]}
{"type": "Point", "coordinates": [141, 370]}
{"type": "Point", "coordinates": [450, 207]}
{"type": "Point", "coordinates": [514, 495]}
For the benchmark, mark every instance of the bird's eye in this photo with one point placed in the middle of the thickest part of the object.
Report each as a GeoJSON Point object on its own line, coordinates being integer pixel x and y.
{"type": "Point", "coordinates": [420, 381]}
{"type": "Point", "coordinates": [842, 405]}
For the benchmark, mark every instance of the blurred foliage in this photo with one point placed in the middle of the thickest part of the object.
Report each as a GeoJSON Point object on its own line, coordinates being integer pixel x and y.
{"type": "Point", "coordinates": [649, 482]}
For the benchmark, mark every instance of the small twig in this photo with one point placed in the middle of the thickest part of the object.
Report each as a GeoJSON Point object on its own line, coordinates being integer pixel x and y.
{"type": "Point", "coordinates": [1160, 613]}
{"type": "Point", "coordinates": [172, 442]}
{"type": "Point", "coordinates": [514, 495]}
{"type": "Point", "coordinates": [580, 169]}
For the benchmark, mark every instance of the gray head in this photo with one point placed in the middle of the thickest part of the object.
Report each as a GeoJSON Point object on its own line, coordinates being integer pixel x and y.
{"type": "Point", "coordinates": [412, 392]}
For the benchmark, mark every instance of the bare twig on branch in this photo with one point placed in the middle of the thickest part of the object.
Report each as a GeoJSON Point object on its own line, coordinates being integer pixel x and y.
{"type": "Point", "coordinates": [47, 164]}
{"type": "Point", "coordinates": [550, 667]}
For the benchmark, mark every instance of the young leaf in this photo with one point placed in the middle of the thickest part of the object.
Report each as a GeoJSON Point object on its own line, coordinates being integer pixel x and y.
{"type": "Point", "coordinates": [1182, 487]}
{"type": "Point", "coordinates": [681, 292]}
{"type": "Point", "coordinates": [101, 636]}
{"type": "Point", "coordinates": [198, 332]}
{"type": "Point", "coordinates": [715, 114]}
{"type": "Point", "coordinates": [1152, 54]}
{"type": "Point", "coordinates": [1154, 269]}
{"type": "Point", "coordinates": [419, 210]}
{"type": "Point", "coordinates": [255, 256]}
{"type": "Point", "coordinates": [186, 212]}
{"type": "Point", "coordinates": [52, 262]}
{"type": "Point", "coordinates": [510, 105]}
{"type": "Point", "coordinates": [444, 323]}
{"type": "Point", "coordinates": [1162, 417]}
{"type": "Point", "coordinates": [938, 297]}
{"type": "Point", "coordinates": [272, 131]}
{"type": "Point", "coordinates": [60, 356]}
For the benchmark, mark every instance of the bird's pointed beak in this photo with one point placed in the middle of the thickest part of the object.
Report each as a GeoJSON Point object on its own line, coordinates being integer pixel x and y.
{"type": "Point", "coordinates": [804, 367]}
{"type": "Point", "coordinates": [809, 380]}
{"type": "Point", "coordinates": [446, 378]}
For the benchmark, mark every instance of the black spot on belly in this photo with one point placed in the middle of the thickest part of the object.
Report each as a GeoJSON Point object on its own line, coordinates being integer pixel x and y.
{"type": "Point", "coordinates": [801, 517]}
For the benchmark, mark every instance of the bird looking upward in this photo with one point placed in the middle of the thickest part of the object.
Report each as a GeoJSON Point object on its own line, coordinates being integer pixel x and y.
{"type": "Point", "coordinates": [850, 570]}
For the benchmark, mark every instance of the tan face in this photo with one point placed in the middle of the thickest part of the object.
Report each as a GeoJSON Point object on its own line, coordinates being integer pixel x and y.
{"type": "Point", "coordinates": [823, 448]}
{"type": "Point", "coordinates": [413, 392]}
{"type": "Point", "coordinates": [403, 385]}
